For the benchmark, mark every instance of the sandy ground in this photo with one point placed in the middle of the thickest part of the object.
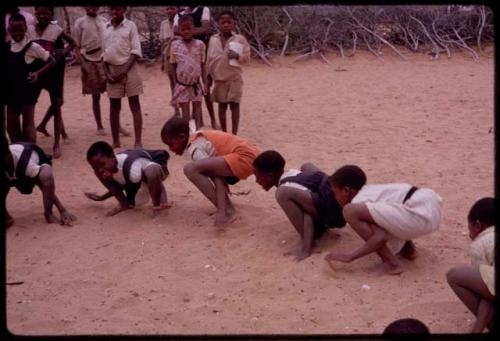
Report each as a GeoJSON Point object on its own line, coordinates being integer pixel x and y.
{"type": "Point", "coordinates": [424, 122]}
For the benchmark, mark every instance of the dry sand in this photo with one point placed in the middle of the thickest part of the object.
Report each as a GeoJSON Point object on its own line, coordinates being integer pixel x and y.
{"type": "Point", "coordinates": [424, 122]}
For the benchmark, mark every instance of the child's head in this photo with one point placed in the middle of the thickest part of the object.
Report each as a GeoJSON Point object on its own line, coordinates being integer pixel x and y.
{"type": "Point", "coordinates": [171, 11]}
{"type": "Point", "coordinates": [226, 21]}
{"type": "Point", "coordinates": [268, 168]}
{"type": "Point", "coordinates": [101, 157]}
{"type": "Point", "coordinates": [17, 27]}
{"type": "Point", "coordinates": [406, 326]}
{"type": "Point", "coordinates": [346, 183]}
{"type": "Point", "coordinates": [44, 15]}
{"type": "Point", "coordinates": [175, 134]}
{"type": "Point", "coordinates": [481, 216]}
{"type": "Point", "coordinates": [91, 11]}
{"type": "Point", "coordinates": [117, 12]}
{"type": "Point", "coordinates": [186, 27]}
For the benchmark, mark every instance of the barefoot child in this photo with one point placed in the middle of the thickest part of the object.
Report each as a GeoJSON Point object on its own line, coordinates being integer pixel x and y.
{"type": "Point", "coordinates": [386, 216]}
{"type": "Point", "coordinates": [124, 173]}
{"type": "Point", "coordinates": [187, 67]}
{"type": "Point", "coordinates": [122, 48]}
{"type": "Point", "coordinates": [218, 158]}
{"type": "Point", "coordinates": [223, 66]}
{"type": "Point", "coordinates": [28, 166]}
{"type": "Point", "coordinates": [22, 72]}
{"type": "Point", "coordinates": [166, 36]}
{"type": "Point", "coordinates": [305, 196]}
{"type": "Point", "coordinates": [51, 37]}
{"type": "Point", "coordinates": [88, 34]}
{"type": "Point", "coordinates": [475, 284]}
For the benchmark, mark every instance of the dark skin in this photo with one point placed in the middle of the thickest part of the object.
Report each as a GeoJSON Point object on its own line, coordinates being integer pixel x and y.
{"type": "Point", "coordinates": [26, 131]}
{"type": "Point", "coordinates": [171, 12]}
{"type": "Point", "coordinates": [44, 16]}
{"type": "Point", "coordinates": [117, 16]}
{"type": "Point", "coordinates": [186, 30]}
{"type": "Point", "coordinates": [208, 176]}
{"type": "Point", "coordinates": [226, 27]}
{"type": "Point", "coordinates": [104, 167]}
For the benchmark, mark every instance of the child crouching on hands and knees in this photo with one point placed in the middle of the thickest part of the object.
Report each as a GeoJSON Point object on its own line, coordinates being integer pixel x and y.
{"type": "Point", "coordinates": [124, 174]}
{"type": "Point", "coordinates": [475, 284]}
{"type": "Point", "coordinates": [27, 166]}
{"type": "Point", "coordinates": [386, 216]}
{"type": "Point", "coordinates": [305, 196]}
{"type": "Point", "coordinates": [219, 159]}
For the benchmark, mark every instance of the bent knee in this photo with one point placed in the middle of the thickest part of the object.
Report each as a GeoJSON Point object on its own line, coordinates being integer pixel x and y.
{"type": "Point", "coordinates": [45, 176]}
{"type": "Point", "coordinates": [349, 212]}
{"type": "Point", "coordinates": [190, 170]}
{"type": "Point", "coordinates": [153, 172]}
{"type": "Point", "coordinates": [282, 194]}
{"type": "Point", "coordinates": [452, 275]}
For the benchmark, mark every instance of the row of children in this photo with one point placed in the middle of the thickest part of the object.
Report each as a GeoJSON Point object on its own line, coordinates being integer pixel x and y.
{"type": "Point", "coordinates": [386, 216]}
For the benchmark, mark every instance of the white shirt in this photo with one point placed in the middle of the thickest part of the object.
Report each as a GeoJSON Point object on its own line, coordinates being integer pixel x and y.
{"type": "Point", "coordinates": [201, 148]}
{"type": "Point", "coordinates": [166, 31]}
{"type": "Point", "coordinates": [288, 173]}
{"type": "Point", "coordinates": [391, 193]}
{"type": "Point", "coordinates": [33, 167]}
{"type": "Point", "coordinates": [136, 168]}
{"type": "Point", "coordinates": [51, 32]}
{"type": "Point", "coordinates": [35, 51]}
{"type": "Point", "coordinates": [121, 42]}
{"type": "Point", "coordinates": [88, 33]}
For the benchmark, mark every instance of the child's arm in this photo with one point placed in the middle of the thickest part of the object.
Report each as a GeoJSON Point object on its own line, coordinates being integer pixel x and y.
{"type": "Point", "coordinates": [172, 68]}
{"type": "Point", "coordinates": [204, 71]}
{"type": "Point", "coordinates": [117, 192]}
{"type": "Point", "coordinates": [97, 197]}
{"type": "Point", "coordinates": [66, 217]}
{"type": "Point", "coordinates": [62, 53]}
{"type": "Point", "coordinates": [33, 76]}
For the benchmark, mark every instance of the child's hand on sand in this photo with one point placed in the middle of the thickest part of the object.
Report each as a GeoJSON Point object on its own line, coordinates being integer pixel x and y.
{"type": "Point", "coordinates": [117, 210]}
{"type": "Point", "coordinates": [93, 196]}
{"type": "Point", "coordinates": [67, 218]}
{"type": "Point", "coordinates": [341, 257]}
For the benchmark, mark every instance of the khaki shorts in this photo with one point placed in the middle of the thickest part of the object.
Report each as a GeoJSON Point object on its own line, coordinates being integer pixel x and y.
{"type": "Point", "coordinates": [94, 82]}
{"type": "Point", "coordinates": [130, 85]}
{"type": "Point", "coordinates": [227, 91]}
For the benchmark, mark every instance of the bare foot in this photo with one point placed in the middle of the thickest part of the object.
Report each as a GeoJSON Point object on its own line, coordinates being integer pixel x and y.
{"type": "Point", "coordinates": [52, 219]}
{"type": "Point", "coordinates": [222, 219]}
{"type": "Point", "coordinates": [67, 140]}
{"type": "Point", "coordinates": [408, 251]}
{"type": "Point", "coordinates": [56, 152]}
{"type": "Point", "coordinates": [389, 269]}
{"type": "Point", "coordinates": [116, 145]}
{"type": "Point", "coordinates": [101, 132]}
{"type": "Point", "coordinates": [138, 145]}
{"type": "Point", "coordinates": [124, 132]}
{"type": "Point", "coordinates": [42, 130]}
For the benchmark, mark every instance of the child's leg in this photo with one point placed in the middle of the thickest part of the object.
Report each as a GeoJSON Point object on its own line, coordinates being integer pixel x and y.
{"type": "Point", "coordinates": [96, 109]}
{"type": "Point", "coordinates": [222, 116]}
{"type": "Point", "coordinates": [235, 115]}
{"type": "Point", "coordinates": [299, 208]}
{"type": "Point", "coordinates": [135, 107]}
{"type": "Point", "coordinates": [361, 221]}
{"type": "Point", "coordinates": [468, 285]}
{"type": "Point", "coordinates": [13, 124]}
{"type": "Point", "coordinates": [210, 105]}
{"type": "Point", "coordinates": [66, 217]}
{"type": "Point", "coordinates": [47, 186]}
{"type": "Point", "coordinates": [185, 111]}
{"type": "Point", "coordinates": [29, 131]}
{"type": "Point", "coordinates": [42, 127]}
{"type": "Point", "coordinates": [154, 178]}
{"type": "Point", "coordinates": [115, 105]}
{"type": "Point", "coordinates": [55, 107]}
{"type": "Point", "coordinates": [197, 114]}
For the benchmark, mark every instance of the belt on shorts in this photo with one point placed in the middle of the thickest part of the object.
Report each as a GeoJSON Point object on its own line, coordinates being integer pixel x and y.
{"type": "Point", "coordinates": [194, 86]}
{"type": "Point", "coordinates": [408, 195]}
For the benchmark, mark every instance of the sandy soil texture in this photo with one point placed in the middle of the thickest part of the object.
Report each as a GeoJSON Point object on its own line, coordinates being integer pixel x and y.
{"type": "Point", "coordinates": [429, 123]}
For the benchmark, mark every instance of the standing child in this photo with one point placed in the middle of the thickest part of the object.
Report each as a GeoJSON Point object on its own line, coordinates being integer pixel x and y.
{"type": "Point", "coordinates": [125, 173]}
{"type": "Point", "coordinates": [122, 49]}
{"type": "Point", "coordinates": [218, 158]}
{"type": "Point", "coordinates": [187, 60]}
{"type": "Point", "coordinates": [166, 36]}
{"type": "Point", "coordinates": [22, 73]}
{"type": "Point", "coordinates": [28, 166]}
{"type": "Point", "coordinates": [475, 284]}
{"type": "Point", "coordinates": [305, 196]}
{"type": "Point", "coordinates": [51, 36]}
{"type": "Point", "coordinates": [386, 215]}
{"type": "Point", "coordinates": [88, 33]}
{"type": "Point", "coordinates": [223, 66]}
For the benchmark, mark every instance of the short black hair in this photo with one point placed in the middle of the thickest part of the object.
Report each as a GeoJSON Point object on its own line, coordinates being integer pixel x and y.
{"type": "Point", "coordinates": [51, 8]}
{"type": "Point", "coordinates": [186, 18]}
{"type": "Point", "coordinates": [100, 148]}
{"type": "Point", "coordinates": [406, 326]}
{"type": "Point", "coordinates": [226, 12]}
{"type": "Point", "coordinates": [17, 17]}
{"type": "Point", "coordinates": [175, 126]}
{"type": "Point", "coordinates": [483, 211]}
{"type": "Point", "coordinates": [349, 176]}
{"type": "Point", "coordinates": [269, 161]}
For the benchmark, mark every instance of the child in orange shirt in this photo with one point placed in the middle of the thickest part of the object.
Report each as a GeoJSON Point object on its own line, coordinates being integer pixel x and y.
{"type": "Point", "coordinates": [218, 158]}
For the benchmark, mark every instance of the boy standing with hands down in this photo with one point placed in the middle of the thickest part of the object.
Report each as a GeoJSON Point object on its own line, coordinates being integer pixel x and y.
{"type": "Point", "coordinates": [226, 50]}
{"type": "Point", "coordinates": [122, 48]}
